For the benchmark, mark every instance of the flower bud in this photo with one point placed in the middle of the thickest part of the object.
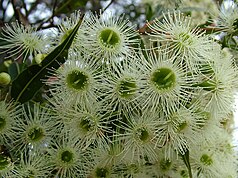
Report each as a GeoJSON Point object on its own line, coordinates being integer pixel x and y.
{"type": "Point", "coordinates": [39, 58]}
{"type": "Point", "coordinates": [5, 78]}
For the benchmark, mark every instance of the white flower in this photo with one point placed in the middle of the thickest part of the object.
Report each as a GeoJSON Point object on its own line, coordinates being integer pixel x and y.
{"type": "Point", "coordinates": [23, 41]}
{"type": "Point", "coordinates": [6, 166]}
{"type": "Point", "coordinates": [107, 36]}
{"type": "Point", "coordinates": [165, 84]}
{"type": "Point", "coordinates": [180, 38]}
{"type": "Point", "coordinates": [32, 164]}
{"type": "Point", "coordinates": [137, 135]}
{"type": "Point", "coordinates": [177, 130]}
{"type": "Point", "coordinates": [206, 162]}
{"type": "Point", "coordinates": [218, 81]}
{"type": "Point", "coordinates": [65, 156]}
{"type": "Point", "coordinates": [76, 82]}
{"type": "Point", "coordinates": [202, 10]}
{"type": "Point", "coordinates": [94, 165]}
{"type": "Point", "coordinates": [33, 128]}
{"type": "Point", "coordinates": [228, 19]}
{"type": "Point", "coordinates": [110, 154]}
{"type": "Point", "coordinates": [122, 86]}
{"type": "Point", "coordinates": [164, 166]}
{"type": "Point", "coordinates": [90, 124]}
{"type": "Point", "coordinates": [136, 170]}
{"type": "Point", "coordinates": [8, 113]}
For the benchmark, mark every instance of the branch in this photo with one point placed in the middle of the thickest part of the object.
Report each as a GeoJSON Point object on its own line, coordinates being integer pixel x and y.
{"type": "Point", "coordinates": [18, 15]}
{"type": "Point", "coordinates": [50, 19]}
{"type": "Point", "coordinates": [111, 2]}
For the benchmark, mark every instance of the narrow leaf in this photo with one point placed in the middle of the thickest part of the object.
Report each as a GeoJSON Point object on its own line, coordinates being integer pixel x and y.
{"type": "Point", "coordinates": [15, 69]}
{"type": "Point", "coordinates": [26, 85]}
{"type": "Point", "coordinates": [185, 158]}
{"type": "Point", "coordinates": [69, 6]}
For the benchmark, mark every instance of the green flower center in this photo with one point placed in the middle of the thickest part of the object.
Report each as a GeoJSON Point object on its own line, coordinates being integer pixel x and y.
{"type": "Point", "coordinates": [184, 173]}
{"type": "Point", "coordinates": [185, 39]}
{"type": "Point", "coordinates": [2, 123]}
{"type": "Point", "coordinates": [127, 88]}
{"type": "Point", "coordinates": [84, 125]}
{"type": "Point", "coordinates": [142, 134]}
{"type": "Point", "coordinates": [165, 164]}
{"type": "Point", "coordinates": [67, 156]}
{"type": "Point", "coordinates": [4, 162]}
{"type": "Point", "coordinates": [36, 134]}
{"type": "Point", "coordinates": [163, 78]}
{"type": "Point", "coordinates": [102, 172]}
{"type": "Point", "coordinates": [181, 126]}
{"type": "Point", "coordinates": [109, 38]}
{"type": "Point", "coordinates": [77, 80]}
{"type": "Point", "coordinates": [206, 160]}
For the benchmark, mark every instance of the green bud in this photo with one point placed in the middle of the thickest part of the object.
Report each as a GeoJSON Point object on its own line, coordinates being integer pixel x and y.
{"type": "Point", "coordinates": [39, 58]}
{"type": "Point", "coordinates": [5, 78]}
{"type": "Point", "coordinates": [7, 63]}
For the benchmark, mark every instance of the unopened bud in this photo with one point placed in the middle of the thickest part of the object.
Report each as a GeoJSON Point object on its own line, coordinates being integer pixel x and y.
{"type": "Point", "coordinates": [5, 78]}
{"type": "Point", "coordinates": [39, 58]}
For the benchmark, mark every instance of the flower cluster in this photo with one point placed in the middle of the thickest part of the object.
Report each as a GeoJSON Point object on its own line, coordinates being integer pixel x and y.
{"type": "Point", "coordinates": [116, 110]}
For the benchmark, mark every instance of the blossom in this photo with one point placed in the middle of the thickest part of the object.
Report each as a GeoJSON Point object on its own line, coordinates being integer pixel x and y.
{"type": "Point", "coordinates": [22, 41]}
{"type": "Point", "coordinates": [32, 164]}
{"type": "Point", "coordinates": [90, 124]}
{"type": "Point", "coordinates": [228, 21]}
{"type": "Point", "coordinates": [65, 156]}
{"type": "Point", "coordinates": [177, 131]}
{"type": "Point", "coordinates": [137, 135]}
{"type": "Point", "coordinates": [164, 166]}
{"type": "Point", "coordinates": [8, 113]}
{"type": "Point", "coordinates": [107, 37]}
{"type": "Point", "coordinates": [165, 84]}
{"type": "Point", "coordinates": [180, 38]}
{"type": "Point", "coordinates": [218, 81]}
{"type": "Point", "coordinates": [76, 81]}
{"type": "Point", "coordinates": [122, 86]}
{"type": "Point", "coordinates": [6, 166]}
{"type": "Point", "coordinates": [203, 10]}
{"type": "Point", "coordinates": [66, 26]}
{"type": "Point", "coordinates": [134, 169]}
{"type": "Point", "coordinates": [32, 129]}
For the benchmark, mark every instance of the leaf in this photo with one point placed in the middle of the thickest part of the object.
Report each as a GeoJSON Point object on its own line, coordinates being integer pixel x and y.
{"type": "Point", "coordinates": [70, 6]}
{"type": "Point", "coordinates": [185, 158]}
{"type": "Point", "coordinates": [149, 12]}
{"type": "Point", "coordinates": [15, 69]}
{"type": "Point", "coordinates": [31, 80]}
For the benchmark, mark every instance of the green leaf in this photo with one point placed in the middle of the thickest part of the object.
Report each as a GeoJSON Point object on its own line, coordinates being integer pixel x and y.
{"type": "Point", "coordinates": [15, 69]}
{"type": "Point", "coordinates": [185, 158]}
{"type": "Point", "coordinates": [31, 80]}
{"type": "Point", "coordinates": [69, 6]}
{"type": "Point", "coordinates": [149, 12]}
